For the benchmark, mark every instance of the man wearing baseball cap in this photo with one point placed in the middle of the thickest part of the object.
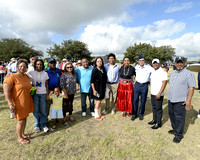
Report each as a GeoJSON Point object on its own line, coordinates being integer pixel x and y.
{"type": "Point", "coordinates": [181, 89]}
{"type": "Point", "coordinates": [143, 72]}
{"type": "Point", "coordinates": [158, 83]}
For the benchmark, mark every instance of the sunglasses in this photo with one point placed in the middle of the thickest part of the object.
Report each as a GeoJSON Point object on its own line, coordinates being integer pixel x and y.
{"type": "Point", "coordinates": [69, 67]}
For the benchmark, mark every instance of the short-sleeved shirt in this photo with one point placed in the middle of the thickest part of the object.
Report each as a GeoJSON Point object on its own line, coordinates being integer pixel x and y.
{"type": "Point", "coordinates": [179, 84]}
{"type": "Point", "coordinates": [143, 73]}
{"type": "Point", "coordinates": [20, 94]}
{"type": "Point", "coordinates": [41, 78]}
{"type": "Point", "coordinates": [157, 77]}
{"type": "Point", "coordinates": [30, 67]}
{"type": "Point", "coordinates": [112, 73]}
{"type": "Point", "coordinates": [13, 67]}
{"type": "Point", "coordinates": [68, 82]}
{"type": "Point", "coordinates": [54, 78]}
{"type": "Point", "coordinates": [127, 72]}
{"type": "Point", "coordinates": [57, 101]}
{"type": "Point", "coordinates": [84, 77]}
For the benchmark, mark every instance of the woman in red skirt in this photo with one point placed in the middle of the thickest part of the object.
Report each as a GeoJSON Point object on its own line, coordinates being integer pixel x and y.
{"type": "Point", "coordinates": [125, 88]}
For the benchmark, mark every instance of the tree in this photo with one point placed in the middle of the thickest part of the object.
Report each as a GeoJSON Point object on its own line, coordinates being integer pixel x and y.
{"type": "Point", "coordinates": [163, 53]}
{"type": "Point", "coordinates": [74, 49]}
{"type": "Point", "coordinates": [16, 48]}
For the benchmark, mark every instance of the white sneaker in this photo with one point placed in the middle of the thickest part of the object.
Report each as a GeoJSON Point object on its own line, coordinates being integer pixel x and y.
{"type": "Point", "coordinates": [113, 112]}
{"type": "Point", "coordinates": [198, 116]}
{"type": "Point", "coordinates": [46, 129]}
{"type": "Point", "coordinates": [83, 114]}
{"type": "Point", "coordinates": [37, 129]}
{"type": "Point", "coordinates": [93, 114]}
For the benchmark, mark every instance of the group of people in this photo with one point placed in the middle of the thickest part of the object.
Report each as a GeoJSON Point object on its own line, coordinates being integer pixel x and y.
{"type": "Point", "coordinates": [122, 86]}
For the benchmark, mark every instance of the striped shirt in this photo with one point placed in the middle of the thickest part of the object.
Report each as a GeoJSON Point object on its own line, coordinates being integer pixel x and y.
{"type": "Point", "coordinates": [179, 84]}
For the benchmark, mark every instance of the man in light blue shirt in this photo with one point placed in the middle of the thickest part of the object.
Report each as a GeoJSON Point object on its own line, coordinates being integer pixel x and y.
{"type": "Point", "coordinates": [141, 87]}
{"type": "Point", "coordinates": [112, 70]}
{"type": "Point", "coordinates": [84, 79]}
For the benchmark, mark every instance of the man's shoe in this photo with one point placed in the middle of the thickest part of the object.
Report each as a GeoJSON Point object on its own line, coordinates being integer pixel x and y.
{"type": "Point", "coordinates": [46, 129]}
{"type": "Point", "coordinates": [83, 114]}
{"type": "Point", "coordinates": [141, 118]}
{"type": "Point", "coordinates": [93, 114]}
{"type": "Point", "coordinates": [156, 126]}
{"type": "Point", "coordinates": [198, 116]}
{"type": "Point", "coordinates": [152, 122]}
{"type": "Point", "coordinates": [177, 140]}
{"type": "Point", "coordinates": [37, 129]}
{"type": "Point", "coordinates": [133, 118]}
{"type": "Point", "coordinates": [171, 131]}
{"type": "Point", "coordinates": [106, 112]}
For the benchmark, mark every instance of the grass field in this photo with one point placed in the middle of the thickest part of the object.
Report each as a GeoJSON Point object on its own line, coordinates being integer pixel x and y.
{"type": "Point", "coordinates": [113, 138]}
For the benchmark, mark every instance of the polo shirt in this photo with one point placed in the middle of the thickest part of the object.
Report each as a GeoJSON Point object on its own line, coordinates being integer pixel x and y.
{"type": "Point", "coordinates": [57, 101]}
{"type": "Point", "coordinates": [84, 78]}
{"type": "Point", "coordinates": [157, 76]}
{"type": "Point", "coordinates": [143, 73]}
{"type": "Point", "coordinates": [112, 73]}
{"type": "Point", "coordinates": [54, 78]}
{"type": "Point", "coordinates": [179, 84]}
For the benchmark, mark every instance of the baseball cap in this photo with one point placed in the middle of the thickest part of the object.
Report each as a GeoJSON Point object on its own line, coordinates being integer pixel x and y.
{"type": "Point", "coordinates": [52, 60]}
{"type": "Point", "coordinates": [155, 60]}
{"type": "Point", "coordinates": [12, 59]}
{"type": "Point", "coordinates": [64, 59]}
{"type": "Point", "coordinates": [79, 61]}
{"type": "Point", "coordinates": [180, 59]}
{"type": "Point", "coordinates": [140, 56]}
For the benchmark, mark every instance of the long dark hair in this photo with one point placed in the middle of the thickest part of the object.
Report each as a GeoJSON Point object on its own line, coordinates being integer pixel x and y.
{"type": "Point", "coordinates": [102, 67]}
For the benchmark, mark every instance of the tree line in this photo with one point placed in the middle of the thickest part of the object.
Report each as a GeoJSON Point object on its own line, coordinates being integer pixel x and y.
{"type": "Point", "coordinates": [76, 50]}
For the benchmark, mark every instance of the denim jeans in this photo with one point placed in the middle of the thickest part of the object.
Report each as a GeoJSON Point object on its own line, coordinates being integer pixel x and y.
{"type": "Point", "coordinates": [40, 110]}
{"type": "Point", "coordinates": [83, 102]}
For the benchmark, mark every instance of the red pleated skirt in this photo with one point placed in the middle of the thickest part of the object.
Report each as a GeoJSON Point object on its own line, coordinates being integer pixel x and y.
{"type": "Point", "coordinates": [125, 97]}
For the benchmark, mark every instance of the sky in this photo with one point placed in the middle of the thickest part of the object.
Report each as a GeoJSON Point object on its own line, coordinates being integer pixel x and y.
{"type": "Point", "coordinates": [104, 25]}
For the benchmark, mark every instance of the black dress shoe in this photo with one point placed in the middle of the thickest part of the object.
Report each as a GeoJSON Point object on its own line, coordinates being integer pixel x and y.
{"type": "Point", "coordinates": [171, 131]}
{"type": "Point", "coordinates": [177, 140]}
{"type": "Point", "coordinates": [156, 126]}
{"type": "Point", "coordinates": [133, 118]}
{"type": "Point", "coordinates": [152, 122]}
{"type": "Point", "coordinates": [141, 118]}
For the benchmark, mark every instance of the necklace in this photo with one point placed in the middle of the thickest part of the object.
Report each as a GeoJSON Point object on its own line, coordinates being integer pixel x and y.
{"type": "Point", "coordinates": [126, 74]}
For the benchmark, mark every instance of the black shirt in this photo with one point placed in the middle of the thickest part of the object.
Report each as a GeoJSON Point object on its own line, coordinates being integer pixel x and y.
{"type": "Point", "coordinates": [127, 72]}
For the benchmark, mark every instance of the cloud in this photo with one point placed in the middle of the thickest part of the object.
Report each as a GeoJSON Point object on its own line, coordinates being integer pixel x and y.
{"type": "Point", "coordinates": [102, 39]}
{"type": "Point", "coordinates": [179, 7]}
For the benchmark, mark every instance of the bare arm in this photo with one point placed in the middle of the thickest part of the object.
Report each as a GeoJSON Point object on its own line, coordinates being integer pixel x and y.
{"type": "Point", "coordinates": [187, 103]}
{"type": "Point", "coordinates": [164, 83]}
{"type": "Point", "coordinates": [7, 91]}
{"type": "Point", "coordinates": [47, 88]}
{"type": "Point", "coordinates": [94, 91]}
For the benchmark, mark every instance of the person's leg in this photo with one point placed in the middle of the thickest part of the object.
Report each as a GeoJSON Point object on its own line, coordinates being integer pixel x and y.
{"type": "Point", "coordinates": [179, 112]}
{"type": "Point", "coordinates": [136, 99]}
{"type": "Point", "coordinates": [71, 99]}
{"type": "Point", "coordinates": [171, 114]}
{"type": "Point", "coordinates": [144, 92]}
{"type": "Point", "coordinates": [159, 110]}
{"type": "Point", "coordinates": [91, 100]}
{"type": "Point", "coordinates": [43, 111]}
{"type": "Point", "coordinates": [108, 100]}
{"type": "Point", "coordinates": [97, 106]}
{"type": "Point", "coordinates": [19, 128]}
{"type": "Point", "coordinates": [23, 130]}
{"type": "Point", "coordinates": [153, 102]}
{"type": "Point", "coordinates": [114, 88]}
{"type": "Point", "coordinates": [83, 102]}
{"type": "Point", "coordinates": [36, 113]}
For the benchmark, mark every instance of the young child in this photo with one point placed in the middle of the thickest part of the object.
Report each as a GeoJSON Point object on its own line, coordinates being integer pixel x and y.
{"type": "Point", "coordinates": [56, 107]}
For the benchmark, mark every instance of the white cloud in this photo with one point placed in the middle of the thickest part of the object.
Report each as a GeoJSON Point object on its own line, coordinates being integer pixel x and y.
{"type": "Point", "coordinates": [102, 39]}
{"type": "Point", "coordinates": [179, 7]}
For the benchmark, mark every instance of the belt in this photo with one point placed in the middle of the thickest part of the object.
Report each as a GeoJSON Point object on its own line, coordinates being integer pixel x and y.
{"type": "Point", "coordinates": [111, 82]}
{"type": "Point", "coordinates": [141, 83]}
{"type": "Point", "coordinates": [125, 81]}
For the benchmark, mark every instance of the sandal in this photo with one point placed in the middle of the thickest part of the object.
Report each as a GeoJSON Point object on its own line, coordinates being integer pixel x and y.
{"type": "Point", "coordinates": [71, 119]}
{"type": "Point", "coordinates": [26, 137]}
{"type": "Point", "coordinates": [23, 141]}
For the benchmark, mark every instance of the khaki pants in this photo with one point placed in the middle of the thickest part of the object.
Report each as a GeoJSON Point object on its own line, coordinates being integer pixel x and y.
{"type": "Point", "coordinates": [112, 94]}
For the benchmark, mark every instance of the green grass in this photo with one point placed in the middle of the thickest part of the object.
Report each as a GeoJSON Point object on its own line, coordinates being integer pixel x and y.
{"type": "Point", "coordinates": [113, 138]}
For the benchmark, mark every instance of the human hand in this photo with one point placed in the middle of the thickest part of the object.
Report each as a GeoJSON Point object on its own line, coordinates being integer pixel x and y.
{"type": "Point", "coordinates": [158, 96]}
{"type": "Point", "coordinates": [95, 93]}
{"type": "Point", "coordinates": [188, 105]}
{"type": "Point", "coordinates": [12, 108]}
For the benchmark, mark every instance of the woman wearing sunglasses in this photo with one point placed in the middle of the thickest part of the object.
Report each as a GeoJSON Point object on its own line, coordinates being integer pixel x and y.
{"type": "Point", "coordinates": [68, 84]}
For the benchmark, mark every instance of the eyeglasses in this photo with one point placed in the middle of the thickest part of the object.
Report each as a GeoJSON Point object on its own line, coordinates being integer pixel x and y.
{"type": "Point", "coordinates": [69, 67]}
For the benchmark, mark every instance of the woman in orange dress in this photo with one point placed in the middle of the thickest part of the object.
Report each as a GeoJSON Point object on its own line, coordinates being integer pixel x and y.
{"type": "Point", "coordinates": [17, 92]}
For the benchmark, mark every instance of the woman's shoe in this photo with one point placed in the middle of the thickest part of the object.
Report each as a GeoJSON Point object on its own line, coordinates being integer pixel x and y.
{"type": "Point", "coordinates": [123, 115]}
{"type": "Point", "coordinates": [128, 115]}
{"type": "Point", "coordinates": [98, 118]}
{"type": "Point", "coordinates": [102, 116]}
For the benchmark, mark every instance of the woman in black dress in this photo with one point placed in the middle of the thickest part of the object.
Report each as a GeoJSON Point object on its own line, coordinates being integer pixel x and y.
{"type": "Point", "coordinates": [125, 88]}
{"type": "Point", "coordinates": [98, 83]}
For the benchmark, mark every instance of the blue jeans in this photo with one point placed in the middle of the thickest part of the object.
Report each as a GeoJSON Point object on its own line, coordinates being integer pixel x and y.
{"type": "Point", "coordinates": [139, 90]}
{"type": "Point", "coordinates": [40, 110]}
{"type": "Point", "coordinates": [2, 77]}
{"type": "Point", "coordinates": [83, 102]}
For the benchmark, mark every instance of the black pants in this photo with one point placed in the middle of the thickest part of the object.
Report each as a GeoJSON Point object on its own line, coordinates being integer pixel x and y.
{"type": "Point", "coordinates": [157, 108]}
{"type": "Point", "coordinates": [71, 99]}
{"type": "Point", "coordinates": [177, 113]}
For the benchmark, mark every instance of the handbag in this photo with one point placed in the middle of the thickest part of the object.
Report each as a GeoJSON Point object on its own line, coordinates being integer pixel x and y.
{"type": "Point", "coordinates": [67, 105]}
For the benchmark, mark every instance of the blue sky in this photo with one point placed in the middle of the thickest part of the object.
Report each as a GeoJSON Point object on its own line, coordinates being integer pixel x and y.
{"type": "Point", "coordinates": [106, 26]}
